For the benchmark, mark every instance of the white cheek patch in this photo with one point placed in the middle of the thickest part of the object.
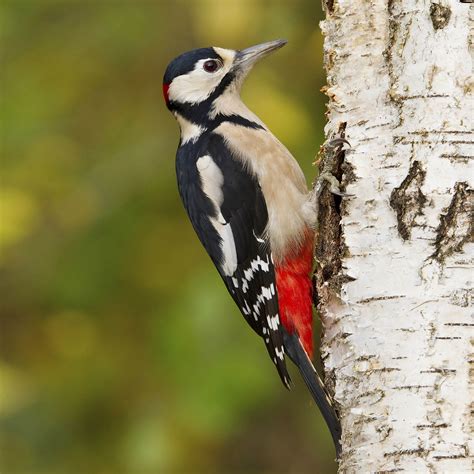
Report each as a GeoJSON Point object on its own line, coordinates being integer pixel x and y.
{"type": "Point", "coordinates": [212, 181]}
{"type": "Point", "coordinates": [196, 86]}
{"type": "Point", "coordinates": [189, 131]}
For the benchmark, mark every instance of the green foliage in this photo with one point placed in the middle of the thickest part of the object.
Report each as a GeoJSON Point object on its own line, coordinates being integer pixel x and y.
{"type": "Point", "coordinates": [120, 349]}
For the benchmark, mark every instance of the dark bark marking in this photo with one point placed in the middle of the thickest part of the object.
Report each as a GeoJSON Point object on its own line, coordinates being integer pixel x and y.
{"type": "Point", "coordinates": [420, 451]}
{"type": "Point", "coordinates": [452, 456]}
{"type": "Point", "coordinates": [433, 426]}
{"type": "Point", "coordinates": [370, 397]}
{"type": "Point", "coordinates": [440, 15]}
{"type": "Point", "coordinates": [365, 419]}
{"type": "Point", "coordinates": [405, 141]}
{"type": "Point", "coordinates": [329, 6]}
{"type": "Point", "coordinates": [438, 371]}
{"type": "Point", "coordinates": [408, 201]}
{"type": "Point", "coordinates": [393, 34]}
{"type": "Point", "coordinates": [366, 357]}
{"type": "Point", "coordinates": [387, 369]}
{"type": "Point", "coordinates": [456, 225]}
{"type": "Point", "coordinates": [330, 247]}
{"type": "Point", "coordinates": [397, 469]}
{"type": "Point", "coordinates": [457, 158]}
{"type": "Point", "coordinates": [459, 324]}
{"type": "Point", "coordinates": [348, 172]}
{"type": "Point", "coordinates": [422, 96]}
{"type": "Point", "coordinates": [380, 298]}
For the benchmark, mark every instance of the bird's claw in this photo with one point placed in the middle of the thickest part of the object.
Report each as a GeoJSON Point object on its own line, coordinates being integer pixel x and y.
{"type": "Point", "coordinates": [338, 141]}
{"type": "Point", "coordinates": [341, 194]}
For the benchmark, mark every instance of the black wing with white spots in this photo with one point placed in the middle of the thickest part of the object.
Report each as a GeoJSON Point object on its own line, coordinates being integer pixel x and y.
{"type": "Point", "coordinates": [228, 211]}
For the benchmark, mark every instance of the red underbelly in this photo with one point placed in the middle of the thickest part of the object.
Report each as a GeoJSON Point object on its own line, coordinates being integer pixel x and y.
{"type": "Point", "coordinates": [295, 291]}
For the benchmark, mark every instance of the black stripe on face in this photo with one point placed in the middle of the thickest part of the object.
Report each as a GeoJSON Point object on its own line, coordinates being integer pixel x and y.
{"type": "Point", "coordinates": [186, 62]}
{"type": "Point", "coordinates": [197, 113]}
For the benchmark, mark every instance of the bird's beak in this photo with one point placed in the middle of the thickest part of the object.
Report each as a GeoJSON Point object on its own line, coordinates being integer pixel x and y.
{"type": "Point", "coordinates": [246, 58]}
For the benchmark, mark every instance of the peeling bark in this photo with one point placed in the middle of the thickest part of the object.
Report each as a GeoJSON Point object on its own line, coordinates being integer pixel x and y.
{"type": "Point", "coordinates": [329, 245]}
{"type": "Point", "coordinates": [395, 260]}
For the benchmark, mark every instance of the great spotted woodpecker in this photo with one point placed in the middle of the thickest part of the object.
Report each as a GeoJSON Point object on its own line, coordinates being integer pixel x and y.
{"type": "Point", "coordinates": [248, 202]}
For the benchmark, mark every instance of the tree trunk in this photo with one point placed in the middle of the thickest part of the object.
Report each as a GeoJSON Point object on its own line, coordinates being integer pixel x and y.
{"type": "Point", "coordinates": [395, 259]}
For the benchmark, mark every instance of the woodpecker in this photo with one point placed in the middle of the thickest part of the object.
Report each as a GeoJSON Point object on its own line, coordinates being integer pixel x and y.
{"type": "Point", "coordinates": [248, 202]}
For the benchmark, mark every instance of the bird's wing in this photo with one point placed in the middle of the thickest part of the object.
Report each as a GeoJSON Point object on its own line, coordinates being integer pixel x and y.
{"type": "Point", "coordinates": [228, 211]}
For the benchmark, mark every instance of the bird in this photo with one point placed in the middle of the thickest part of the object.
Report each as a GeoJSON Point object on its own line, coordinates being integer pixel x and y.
{"type": "Point", "coordinates": [248, 202]}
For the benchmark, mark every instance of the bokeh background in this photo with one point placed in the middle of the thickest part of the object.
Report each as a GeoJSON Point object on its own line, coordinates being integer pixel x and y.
{"type": "Point", "coordinates": [121, 351]}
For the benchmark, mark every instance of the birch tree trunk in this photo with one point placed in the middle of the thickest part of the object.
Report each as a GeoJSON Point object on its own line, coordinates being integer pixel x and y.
{"type": "Point", "coordinates": [395, 260]}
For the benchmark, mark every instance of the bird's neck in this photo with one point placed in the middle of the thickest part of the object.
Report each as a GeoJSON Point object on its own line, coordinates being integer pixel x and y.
{"type": "Point", "coordinates": [229, 103]}
{"type": "Point", "coordinates": [195, 119]}
{"type": "Point", "coordinates": [189, 131]}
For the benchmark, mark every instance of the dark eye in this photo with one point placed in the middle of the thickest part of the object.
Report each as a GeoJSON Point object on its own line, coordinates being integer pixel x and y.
{"type": "Point", "coordinates": [211, 66]}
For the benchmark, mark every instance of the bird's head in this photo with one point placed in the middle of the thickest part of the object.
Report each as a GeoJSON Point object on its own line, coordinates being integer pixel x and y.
{"type": "Point", "coordinates": [195, 80]}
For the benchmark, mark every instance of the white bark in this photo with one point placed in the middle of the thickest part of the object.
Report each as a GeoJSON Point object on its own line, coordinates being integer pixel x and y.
{"type": "Point", "coordinates": [395, 279]}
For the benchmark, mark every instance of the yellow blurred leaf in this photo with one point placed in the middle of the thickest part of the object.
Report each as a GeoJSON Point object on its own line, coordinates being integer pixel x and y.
{"type": "Point", "coordinates": [18, 215]}
{"type": "Point", "coordinates": [15, 392]}
{"type": "Point", "coordinates": [226, 22]}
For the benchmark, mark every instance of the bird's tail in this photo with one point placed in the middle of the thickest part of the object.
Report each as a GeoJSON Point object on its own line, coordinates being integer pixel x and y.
{"type": "Point", "coordinates": [298, 355]}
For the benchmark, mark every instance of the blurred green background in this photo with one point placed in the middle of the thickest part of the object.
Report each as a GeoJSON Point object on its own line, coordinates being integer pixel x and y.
{"type": "Point", "coordinates": [121, 351]}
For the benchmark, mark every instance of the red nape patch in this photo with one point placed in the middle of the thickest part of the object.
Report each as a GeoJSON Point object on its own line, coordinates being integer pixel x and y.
{"type": "Point", "coordinates": [295, 294]}
{"type": "Point", "coordinates": [165, 93]}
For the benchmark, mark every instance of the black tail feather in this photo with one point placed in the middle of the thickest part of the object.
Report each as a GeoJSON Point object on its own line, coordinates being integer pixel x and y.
{"type": "Point", "coordinates": [298, 355]}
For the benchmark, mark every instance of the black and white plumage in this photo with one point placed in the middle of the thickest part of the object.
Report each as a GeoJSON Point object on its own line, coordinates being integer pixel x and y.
{"type": "Point", "coordinates": [228, 212]}
{"type": "Point", "coordinates": [247, 200]}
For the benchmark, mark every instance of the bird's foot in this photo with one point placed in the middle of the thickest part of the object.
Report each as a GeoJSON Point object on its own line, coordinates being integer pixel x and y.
{"type": "Point", "coordinates": [333, 182]}
{"type": "Point", "coordinates": [326, 176]}
{"type": "Point", "coordinates": [333, 148]}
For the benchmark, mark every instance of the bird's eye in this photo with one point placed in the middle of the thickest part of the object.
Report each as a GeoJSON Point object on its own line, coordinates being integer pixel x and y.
{"type": "Point", "coordinates": [211, 66]}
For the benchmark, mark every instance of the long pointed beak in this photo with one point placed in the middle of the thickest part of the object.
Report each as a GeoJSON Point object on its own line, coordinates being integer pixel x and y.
{"type": "Point", "coordinates": [246, 58]}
